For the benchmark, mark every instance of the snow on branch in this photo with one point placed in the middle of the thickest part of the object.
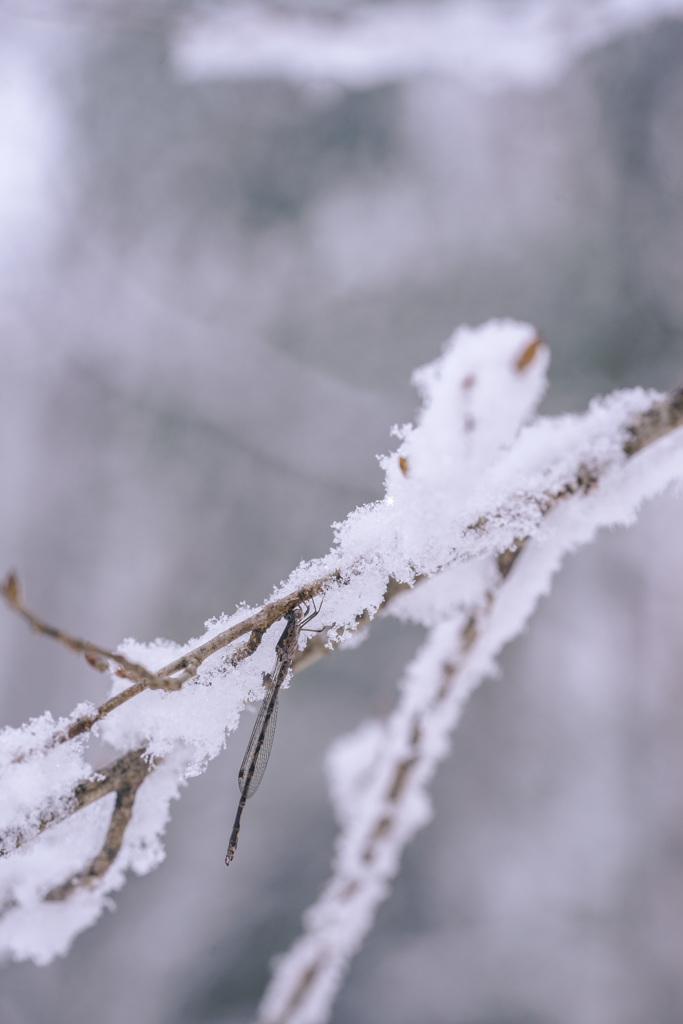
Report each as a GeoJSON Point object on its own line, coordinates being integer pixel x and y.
{"type": "Point", "coordinates": [487, 44]}
{"type": "Point", "coordinates": [482, 503]}
{"type": "Point", "coordinates": [380, 773]}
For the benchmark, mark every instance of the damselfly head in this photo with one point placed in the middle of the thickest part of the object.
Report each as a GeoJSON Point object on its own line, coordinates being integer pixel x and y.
{"type": "Point", "coordinates": [310, 612]}
{"type": "Point", "coordinates": [303, 613]}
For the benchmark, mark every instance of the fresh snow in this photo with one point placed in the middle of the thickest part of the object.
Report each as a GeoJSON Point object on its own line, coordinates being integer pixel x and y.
{"type": "Point", "coordinates": [474, 475]}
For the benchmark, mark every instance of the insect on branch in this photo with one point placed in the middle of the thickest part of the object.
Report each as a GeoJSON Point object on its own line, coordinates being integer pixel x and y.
{"type": "Point", "coordinates": [125, 775]}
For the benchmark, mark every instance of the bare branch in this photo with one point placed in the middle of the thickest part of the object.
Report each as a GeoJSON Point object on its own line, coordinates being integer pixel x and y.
{"type": "Point", "coordinates": [114, 777]}
{"type": "Point", "coordinates": [128, 780]}
{"type": "Point", "coordinates": [124, 776]}
{"type": "Point", "coordinates": [86, 722]}
{"type": "Point", "coordinates": [97, 657]}
{"type": "Point", "coordinates": [172, 676]}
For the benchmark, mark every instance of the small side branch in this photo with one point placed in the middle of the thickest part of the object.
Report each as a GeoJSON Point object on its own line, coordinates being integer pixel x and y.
{"type": "Point", "coordinates": [85, 723]}
{"type": "Point", "coordinates": [98, 657]}
{"type": "Point", "coordinates": [125, 772]}
{"type": "Point", "coordinates": [171, 676]}
{"type": "Point", "coordinates": [128, 779]}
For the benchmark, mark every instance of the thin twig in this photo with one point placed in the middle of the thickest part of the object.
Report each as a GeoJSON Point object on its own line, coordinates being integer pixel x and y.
{"type": "Point", "coordinates": [113, 777]}
{"type": "Point", "coordinates": [173, 675]}
{"type": "Point", "coordinates": [86, 722]}
{"type": "Point", "coordinates": [97, 657]}
{"type": "Point", "coordinates": [125, 775]}
{"type": "Point", "coordinates": [259, 621]}
{"type": "Point", "coordinates": [126, 790]}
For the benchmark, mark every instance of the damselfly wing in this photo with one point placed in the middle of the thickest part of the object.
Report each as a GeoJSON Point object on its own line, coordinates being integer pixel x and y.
{"type": "Point", "coordinates": [265, 723]}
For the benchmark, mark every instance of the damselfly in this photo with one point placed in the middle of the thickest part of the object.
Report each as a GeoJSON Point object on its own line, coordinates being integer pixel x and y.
{"type": "Point", "coordinates": [261, 741]}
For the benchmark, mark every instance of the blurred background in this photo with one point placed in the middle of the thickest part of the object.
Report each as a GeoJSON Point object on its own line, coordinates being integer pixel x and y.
{"type": "Point", "coordinates": [216, 276]}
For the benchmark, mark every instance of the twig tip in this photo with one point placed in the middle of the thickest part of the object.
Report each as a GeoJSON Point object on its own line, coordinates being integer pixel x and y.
{"type": "Point", "coordinates": [10, 589]}
{"type": "Point", "coordinates": [528, 355]}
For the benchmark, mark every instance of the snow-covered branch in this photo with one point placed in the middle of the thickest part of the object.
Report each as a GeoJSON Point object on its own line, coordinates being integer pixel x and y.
{"type": "Point", "coordinates": [379, 774]}
{"type": "Point", "coordinates": [482, 502]}
{"type": "Point", "coordinates": [486, 44]}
